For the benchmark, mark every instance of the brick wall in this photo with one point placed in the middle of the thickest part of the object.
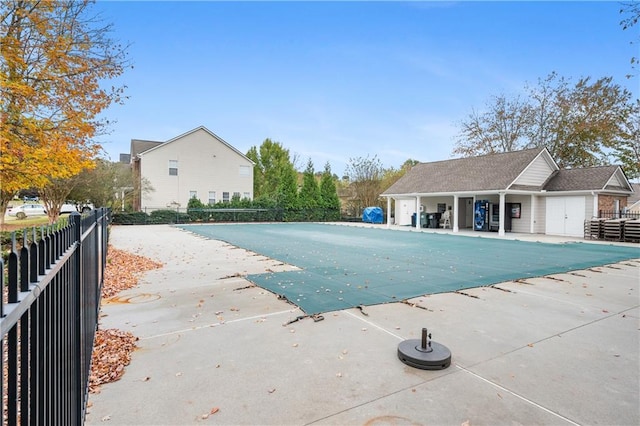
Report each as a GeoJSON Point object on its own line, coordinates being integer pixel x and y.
{"type": "Point", "coordinates": [607, 202]}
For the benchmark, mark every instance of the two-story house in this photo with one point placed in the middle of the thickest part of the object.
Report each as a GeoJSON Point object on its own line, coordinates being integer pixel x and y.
{"type": "Point", "coordinates": [196, 164]}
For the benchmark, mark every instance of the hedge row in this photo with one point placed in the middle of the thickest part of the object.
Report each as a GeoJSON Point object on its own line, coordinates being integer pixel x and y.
{"type": "Point", "coordinates": [219, 215]}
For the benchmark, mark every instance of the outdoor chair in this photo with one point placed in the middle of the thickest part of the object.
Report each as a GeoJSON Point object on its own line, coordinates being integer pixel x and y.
{"type": "Point", "coordinates": [447, 219]}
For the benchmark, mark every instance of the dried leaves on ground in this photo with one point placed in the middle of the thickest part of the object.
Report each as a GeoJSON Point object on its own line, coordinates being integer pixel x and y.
{"type": "Point", "coordinates": [111, 354]}
{"type": "Point", "coordinates": [123, 270]}
{"type": "Point", "coordinates": [112, 348]}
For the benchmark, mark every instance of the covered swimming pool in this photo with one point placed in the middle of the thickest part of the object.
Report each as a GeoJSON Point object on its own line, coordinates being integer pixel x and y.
{"type": "Point", "coordinates": [343, 266]}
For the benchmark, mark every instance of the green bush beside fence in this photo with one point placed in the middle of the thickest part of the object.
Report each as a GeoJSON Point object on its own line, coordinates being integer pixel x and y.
{"type": "Point", "coordinates": [222, 215]}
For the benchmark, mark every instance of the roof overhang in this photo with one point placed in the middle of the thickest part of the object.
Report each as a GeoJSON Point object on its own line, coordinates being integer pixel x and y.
{"type": "Point", "coordinates": [467, 194]}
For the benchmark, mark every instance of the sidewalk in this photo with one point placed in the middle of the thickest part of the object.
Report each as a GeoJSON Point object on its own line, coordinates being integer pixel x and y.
{"type": "Point", "coordinates": [551, 350]}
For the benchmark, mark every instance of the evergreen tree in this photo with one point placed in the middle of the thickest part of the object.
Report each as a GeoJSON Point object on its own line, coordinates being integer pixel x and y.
{"type": "Point", "coordinates": [287, 189]}
{"type": "Point", "coordinates": [309, 196]}
{"type": "Point", "coordinates": [328, 193]}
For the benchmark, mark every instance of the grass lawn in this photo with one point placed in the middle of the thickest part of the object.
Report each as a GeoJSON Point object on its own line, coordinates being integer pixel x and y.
{"type": "Point", "coordinates": [11, 223]}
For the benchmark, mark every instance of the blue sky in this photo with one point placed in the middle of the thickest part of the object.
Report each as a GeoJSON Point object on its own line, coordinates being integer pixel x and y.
{"type": "Point", "coordinates": [332, 81]}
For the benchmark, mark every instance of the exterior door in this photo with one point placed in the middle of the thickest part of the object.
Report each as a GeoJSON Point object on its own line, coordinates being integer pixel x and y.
{"type": "Point", "coordinates": [565, 216]}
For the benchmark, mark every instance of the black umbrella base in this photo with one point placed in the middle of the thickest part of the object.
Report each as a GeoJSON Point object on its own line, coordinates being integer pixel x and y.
{"type": "Point", "coordinates": [424, 353]}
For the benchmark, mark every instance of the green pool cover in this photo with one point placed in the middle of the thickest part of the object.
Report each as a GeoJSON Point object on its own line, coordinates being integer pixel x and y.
{"type": "Point", "coordinates": [344, 266]}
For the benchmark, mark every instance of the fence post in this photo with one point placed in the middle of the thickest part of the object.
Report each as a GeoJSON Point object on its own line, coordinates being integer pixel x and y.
{"type": "Point", "coordinates": [76, 306]}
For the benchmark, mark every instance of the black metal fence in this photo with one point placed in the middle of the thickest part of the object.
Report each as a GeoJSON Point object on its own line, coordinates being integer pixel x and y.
{"type": "Point", "coordinates": [618, 214]}
{"type": "Point", "coordinates": [49, 313]}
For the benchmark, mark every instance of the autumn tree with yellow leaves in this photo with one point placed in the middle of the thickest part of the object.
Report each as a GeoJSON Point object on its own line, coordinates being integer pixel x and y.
{"type": "Point", "coordinates": [54, 59]}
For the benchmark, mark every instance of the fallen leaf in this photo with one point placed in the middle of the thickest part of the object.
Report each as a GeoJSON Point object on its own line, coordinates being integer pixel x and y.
{"type": "Point", "coordinates": [122, 271]}
{"type": "Point", "coordinates": [271, 390]}
{"type": "Point", "coordinates": [111, 353]}
{"type": "Point", "coordinates": [530, 345]}
{"type": "Point", "coordinates": [214, 410]}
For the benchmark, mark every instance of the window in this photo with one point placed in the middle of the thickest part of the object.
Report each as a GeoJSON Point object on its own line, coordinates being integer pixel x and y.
{"type": "Point", "coordinates": [225, 197]}
{"type": "Point", "coordinates": [247, 195]}
{"type": "Point", "coordinates": [236, 196]}
{"type": "Point", "coordinates": [244, 170]}
{"type": "Point", "coordinates": [212, 197]}
{"type": "Point", "coordinates": [173, 167]}
{"type": "Point", "coordinates": [193, 194]}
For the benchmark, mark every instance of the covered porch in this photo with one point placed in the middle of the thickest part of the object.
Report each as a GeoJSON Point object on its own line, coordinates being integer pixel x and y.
{"type": "Point", "coordinates": [508, 211]}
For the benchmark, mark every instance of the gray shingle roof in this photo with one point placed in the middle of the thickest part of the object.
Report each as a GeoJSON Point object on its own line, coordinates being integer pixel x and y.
{"type": "Point", "coordinates": [139, 146]}
{"type": "Point", "coordinates": [482, 173]}
{"type": "Point", "coordinates": [589, 178]}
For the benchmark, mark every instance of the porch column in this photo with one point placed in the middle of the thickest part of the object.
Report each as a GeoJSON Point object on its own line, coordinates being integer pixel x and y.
{"type": "Point", "coordinates": [388, 212]}
{"type": "Point", "coordinates": [532, 219]}
{"type": "Point", "coordinates": [454, 213]}
{"type": "Point", "coordinates": [502, 208]}
{"type": "Point", "coordinates": [418, 212]}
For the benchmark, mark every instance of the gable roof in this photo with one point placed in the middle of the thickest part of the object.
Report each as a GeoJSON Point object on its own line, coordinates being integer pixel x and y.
{"type": "Point", "coordinates": [138, 146]}
{"type": "Point", "coordinates": [159, 145]}
{"type": "Point", "coordinates": [483, 173]}
{"type": "Point", "coordinates": [589, 179]}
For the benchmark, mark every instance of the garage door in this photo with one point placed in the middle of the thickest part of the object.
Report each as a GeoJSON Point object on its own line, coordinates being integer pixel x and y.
{"type": "Point", "coordinates": [565, 216]}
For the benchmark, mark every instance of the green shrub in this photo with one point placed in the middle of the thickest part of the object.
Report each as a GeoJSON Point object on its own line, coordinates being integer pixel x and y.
{"type": "Point", "coordinates": [130, 218]}
{"type": "Point", "coordinates": [168, 216]}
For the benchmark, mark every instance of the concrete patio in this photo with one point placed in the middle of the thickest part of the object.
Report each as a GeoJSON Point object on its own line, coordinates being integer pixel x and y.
{"type": "Point", "coordinates": [560, 349]}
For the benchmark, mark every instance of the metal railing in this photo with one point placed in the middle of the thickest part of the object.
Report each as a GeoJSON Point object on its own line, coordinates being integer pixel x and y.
{"type": "Point", "coordinates": [49, 314]}
{"type": "Point", "coordinates": [618, 214]}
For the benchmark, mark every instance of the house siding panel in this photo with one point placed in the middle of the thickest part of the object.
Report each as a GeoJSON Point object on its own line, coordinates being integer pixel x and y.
{"type": "Point", "coordinates": [536, 173]}
{"type": "Point", "coordinates": [540, 224]}
{"type": "Point", "coordinates": [521, 224]}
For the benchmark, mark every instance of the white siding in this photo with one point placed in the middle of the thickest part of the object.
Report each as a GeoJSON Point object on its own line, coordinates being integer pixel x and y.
{"type": "Point", "coordinates": [205, 164]}
{"type": "Point", "coordinates": [431, 203]}
{"type": "Point", "coordinates": [523, 223]}
{"type": "Point", "coordinates": [540, 215]}
{"type": "Point", "coordinates": [616, 181]}
{"type": "Point", "coordinates": [588, 207]}
{"type": "Point", "coordinates": [536, 173]}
